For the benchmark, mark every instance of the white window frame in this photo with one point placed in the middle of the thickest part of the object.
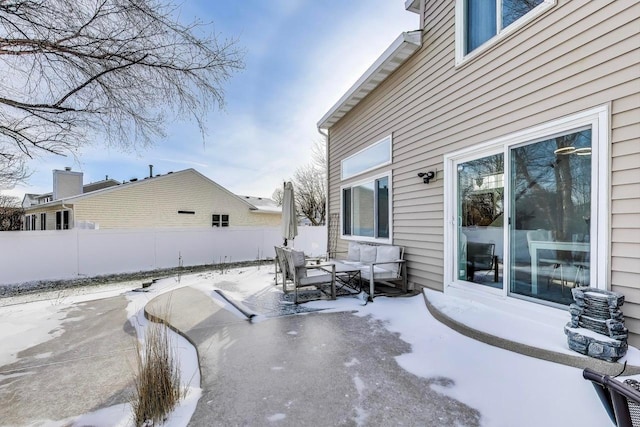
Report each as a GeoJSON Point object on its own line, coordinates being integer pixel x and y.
{"type": "Point", "coordinates": [461, 27]}
{"type": "Point", "coordinates": [598, 119]}
{"type": "Point", "coordinates": [364, 150]}
{"type": "Point", "coordinates": [388, 240]}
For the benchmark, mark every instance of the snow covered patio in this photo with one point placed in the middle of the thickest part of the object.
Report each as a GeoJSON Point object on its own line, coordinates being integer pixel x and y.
{"type": "Point", "coordinates": [340, 362]}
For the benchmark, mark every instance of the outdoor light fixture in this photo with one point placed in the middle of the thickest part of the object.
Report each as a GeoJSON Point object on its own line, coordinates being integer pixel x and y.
{"type": "Point", "coordinates": [426, 176]}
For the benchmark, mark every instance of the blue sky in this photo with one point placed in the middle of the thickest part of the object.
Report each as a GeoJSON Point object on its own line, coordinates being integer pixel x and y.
{"type": "Point", "coordinates": [300, 58]}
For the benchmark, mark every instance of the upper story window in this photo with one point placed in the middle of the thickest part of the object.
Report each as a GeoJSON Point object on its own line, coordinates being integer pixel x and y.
{"type": "Point", "coordinates": [219, 220]}
{"type": "Point", "coordinates": [375, 155]}
{"type": "Point", "coordinates": [481, 22]}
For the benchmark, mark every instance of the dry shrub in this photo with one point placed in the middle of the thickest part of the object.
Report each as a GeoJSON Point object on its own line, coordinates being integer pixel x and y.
{"type": "Point", "coordinates": [157, 383]}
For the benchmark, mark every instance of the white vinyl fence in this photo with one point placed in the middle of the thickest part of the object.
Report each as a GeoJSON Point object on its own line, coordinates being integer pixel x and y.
{"type": "Point", "coordinates": [27, 256]}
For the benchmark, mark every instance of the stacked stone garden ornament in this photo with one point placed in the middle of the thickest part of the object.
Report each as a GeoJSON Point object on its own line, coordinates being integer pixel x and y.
{"type": "Point", "coordinates": [597, 325]}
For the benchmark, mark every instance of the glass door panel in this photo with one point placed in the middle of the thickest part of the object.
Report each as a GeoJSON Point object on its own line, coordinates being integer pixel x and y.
{"type": "Point", "coordinates": [550, 200]}
{"type": "Point", "coordinates": [480, 225]}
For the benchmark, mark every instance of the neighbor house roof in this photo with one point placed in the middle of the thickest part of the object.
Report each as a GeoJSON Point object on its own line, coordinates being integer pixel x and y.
{"type": "Point", "coordinates": [86, 188]}
{"type": "Point", "coordinates": [262, 207]}
{"type": "Point", "coordinates": [400, 50]}
{"type": "Point", "coordinates": [263, 204]}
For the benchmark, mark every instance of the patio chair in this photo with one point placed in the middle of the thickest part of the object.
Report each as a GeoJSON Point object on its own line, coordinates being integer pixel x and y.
{"type": "Point", "coordinates": [304, 275]}
{"type": "Point", "coordinates": [281, 266]}
{"type": "Point", "coordinates": [547, 257]}
{"type": "Point", "coordinates": [621, 400]}
{"type": "Point", "coordinates": [481, 256]}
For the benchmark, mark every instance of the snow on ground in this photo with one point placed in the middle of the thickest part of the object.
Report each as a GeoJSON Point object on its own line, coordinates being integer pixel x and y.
{"type": "Point", "coordinates": [507, 388]}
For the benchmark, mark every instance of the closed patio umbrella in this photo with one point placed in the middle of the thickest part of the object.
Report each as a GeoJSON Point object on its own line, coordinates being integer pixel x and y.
{"type": "Point", "coordinates": [289, 217]}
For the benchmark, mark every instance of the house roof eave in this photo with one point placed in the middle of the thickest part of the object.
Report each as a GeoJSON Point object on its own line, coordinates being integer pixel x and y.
{"type": "Point", "coordinates": [412, 6]}
{"type": "Point", "coordinates": [396, 54]}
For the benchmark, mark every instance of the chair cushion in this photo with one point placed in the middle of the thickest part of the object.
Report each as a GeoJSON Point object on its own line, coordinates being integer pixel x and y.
{"type": "Point", "coordinates": [379, 273]}
{"type": "Point", "coordinates": [388, 253]}
{"type": "Point", "coordinates": [367, 253]}
{"type": "Point", "coordinates": [298, 258]}
{"type": "Point", "coordinates": [353, 253]}
{"type": "Point", "coordinates": [315, 279]}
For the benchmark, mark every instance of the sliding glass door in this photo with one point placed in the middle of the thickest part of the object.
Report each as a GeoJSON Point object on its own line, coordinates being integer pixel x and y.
{"type": "Point", "coordinates": [540, 200]}
{"type": "Point", "coordinates": [480, 229]}
{"type": "Point", "coordinates": [550, 204]}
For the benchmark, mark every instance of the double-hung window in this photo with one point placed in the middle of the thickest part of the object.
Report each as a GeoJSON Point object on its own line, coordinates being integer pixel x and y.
{"type": "Point", "coordinates": [366, 209]}
{"type": "Point", "coordinates": [30, 222]}
{"type": "Point", "coordinates": [219, 220]}
{"type": "Point", "coordinates": [62, 220]}
{"type": "Point", "coordinates": [478, 22]}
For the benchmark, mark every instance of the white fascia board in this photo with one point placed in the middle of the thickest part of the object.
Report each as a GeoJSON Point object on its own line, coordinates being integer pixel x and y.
{"type": "Point", "coordinates": [400, 50]}
{"type": "Point", "coordinates": [412, 6]}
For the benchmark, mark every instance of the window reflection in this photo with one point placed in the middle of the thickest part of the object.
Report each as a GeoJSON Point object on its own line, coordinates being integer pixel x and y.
{"type": "Point", "coordinates": [363, 203]}
{"type": "Point", "coordinates": [481, 220]}
{"type": "Point", "coordinates": [512, 10]}
{"type": "Point", "coordinates": [551, 199]}
{"type": "Point", "coordinates": [375, 155]}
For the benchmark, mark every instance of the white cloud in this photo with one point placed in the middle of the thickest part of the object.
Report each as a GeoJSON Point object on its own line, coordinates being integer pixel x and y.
{"type": "Point", "coordinates": [269, 126]}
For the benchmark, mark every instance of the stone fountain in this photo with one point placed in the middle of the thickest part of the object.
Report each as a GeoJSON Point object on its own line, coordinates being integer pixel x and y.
{"type": "Point", "coordinates": [597, 324]}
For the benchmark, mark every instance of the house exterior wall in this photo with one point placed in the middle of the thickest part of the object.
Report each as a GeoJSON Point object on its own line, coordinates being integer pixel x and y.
{"type": "Point", "coordinates": [155, 203]}
{"type": "Point", "coordinates": [50, 211]}
{"type": "Point", "coordinates": [576, 56]}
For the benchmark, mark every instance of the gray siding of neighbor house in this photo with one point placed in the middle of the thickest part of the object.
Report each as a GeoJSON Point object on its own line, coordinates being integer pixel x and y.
{"type": "Point", "coordinates": [577, 55]}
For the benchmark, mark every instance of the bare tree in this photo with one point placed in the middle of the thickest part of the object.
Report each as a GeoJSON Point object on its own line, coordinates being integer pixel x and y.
{"type": "Point", "coordinates": [278, 196]}
{"type": "Point", "coordinates": [117, 69]}
{"type": "Point", "coordinates": [309, 182]}
{"type": "Point", "coordinates": [310, 191]}
{"type": "Point", "coordinates": [12, 170]}
{"type": "Point", "coordinates": [10, 213]}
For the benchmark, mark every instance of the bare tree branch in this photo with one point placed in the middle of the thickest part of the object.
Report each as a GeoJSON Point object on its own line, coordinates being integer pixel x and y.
{"type": "Point", "coordinates": [309, 182]}
{"type": "Point", "coordinates": [111, 69]}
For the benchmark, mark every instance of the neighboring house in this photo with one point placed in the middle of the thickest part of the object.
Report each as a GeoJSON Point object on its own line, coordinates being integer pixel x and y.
{"type": "Point", "coordinates": [176, 199]}
{"type": "Point", "coordinates": [517, 137]}
{"type": "Point", "coordinates": [70, 185]}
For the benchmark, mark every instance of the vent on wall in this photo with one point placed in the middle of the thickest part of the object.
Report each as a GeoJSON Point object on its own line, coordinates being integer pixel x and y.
{"type": "Point", "coordinates": [187, 212]}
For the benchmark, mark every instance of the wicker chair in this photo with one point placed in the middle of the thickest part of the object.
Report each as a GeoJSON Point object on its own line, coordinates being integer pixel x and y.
{"type": "Point", "coordinates": [621, 400]}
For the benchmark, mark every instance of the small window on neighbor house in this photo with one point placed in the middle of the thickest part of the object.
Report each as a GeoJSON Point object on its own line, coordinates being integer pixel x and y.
{"type": "Point", "coordinates": [43, 221]}
{"type": "Point", "coordinates": [219, 220]}
{"type": "Point", "coordinates": [62, 220]}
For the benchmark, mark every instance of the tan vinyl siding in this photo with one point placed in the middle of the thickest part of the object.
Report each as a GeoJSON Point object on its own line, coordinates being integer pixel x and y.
{"type": "Point", "coordinates": [625, 206]}
{"type": "Point", "coordinates": [577, 55]}
{"type": "Point", "coordinates": [155, 202]}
